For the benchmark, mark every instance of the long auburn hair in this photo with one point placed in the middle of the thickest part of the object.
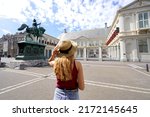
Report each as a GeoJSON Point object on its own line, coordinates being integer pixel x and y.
{"type": "Point", "coordinates": [63, 68]}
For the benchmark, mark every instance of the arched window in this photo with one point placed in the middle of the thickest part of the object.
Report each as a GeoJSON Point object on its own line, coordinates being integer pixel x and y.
{"type": "Point", "coordinates": [143, 46]}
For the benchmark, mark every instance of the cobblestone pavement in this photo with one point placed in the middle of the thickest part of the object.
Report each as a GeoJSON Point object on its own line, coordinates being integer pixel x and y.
{"type": "Point", "coordinates": [104, 80]}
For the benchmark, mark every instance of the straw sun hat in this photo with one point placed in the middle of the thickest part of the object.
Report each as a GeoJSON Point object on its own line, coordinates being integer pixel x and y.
{"type": "Point", "coordinates": [66, 48]}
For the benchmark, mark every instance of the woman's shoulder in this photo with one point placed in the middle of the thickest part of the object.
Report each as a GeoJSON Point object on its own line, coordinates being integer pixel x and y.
{"type": "Point", "coordinates": [78, 64]}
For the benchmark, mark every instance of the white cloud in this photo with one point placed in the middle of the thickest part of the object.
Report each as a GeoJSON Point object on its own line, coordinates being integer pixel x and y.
{"type": "Point", "coordinates": [12, 9]}
{"type": "Point", "coordinates": [73, 14]}
{"type": "Point", "coordinates": [6, 31]}
{"type": "Point", "coordinates": [85, 15]}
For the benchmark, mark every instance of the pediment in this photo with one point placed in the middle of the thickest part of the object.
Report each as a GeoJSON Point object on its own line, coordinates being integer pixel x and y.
{"type": "Point", "coordinates": [82, 38]}
{"type": "Point", "coordinates": [136, 4]}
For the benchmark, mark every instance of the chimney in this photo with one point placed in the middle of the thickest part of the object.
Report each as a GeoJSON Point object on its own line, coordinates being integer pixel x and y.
{"type": "Point", "coordinates": [105, 25]}
{"type": "Point", "coordinates": [65, 31]}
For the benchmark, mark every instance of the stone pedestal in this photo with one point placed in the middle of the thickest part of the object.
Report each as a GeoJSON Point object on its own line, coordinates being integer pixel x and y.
{"type": "Point", "coordinates": [30, 51]}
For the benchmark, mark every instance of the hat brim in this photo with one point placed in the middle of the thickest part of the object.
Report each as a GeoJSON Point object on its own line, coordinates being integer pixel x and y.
{"type": "Point", "coordinates": [71, 52]}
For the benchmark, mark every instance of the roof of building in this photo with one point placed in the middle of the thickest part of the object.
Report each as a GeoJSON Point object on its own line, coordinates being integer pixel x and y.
{"type": "Point", "coordinates": [49, 36]}
{"type": "Point", "coordinates": [135, 4]}
{"type": "Point", "coordinates": [100, 33]}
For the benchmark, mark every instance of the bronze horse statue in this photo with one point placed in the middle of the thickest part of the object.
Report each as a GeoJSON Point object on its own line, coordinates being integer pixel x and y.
{"type": "Point", "coordinates": [35, 31]}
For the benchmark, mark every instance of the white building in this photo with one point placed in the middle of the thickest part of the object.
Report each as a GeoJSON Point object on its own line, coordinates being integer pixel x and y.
{"type": "Point", "coordinates": [132, 43]}
{"type": "Point", "coordinates": [90, 42]}
{"type": "Point", "coordinates": [50, 42]}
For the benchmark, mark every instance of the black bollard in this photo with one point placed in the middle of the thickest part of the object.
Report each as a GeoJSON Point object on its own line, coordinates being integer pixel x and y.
{"type": "Point", "coordinates": [0, 60]}
{"type": "Point", "coordinates": [147, 68]}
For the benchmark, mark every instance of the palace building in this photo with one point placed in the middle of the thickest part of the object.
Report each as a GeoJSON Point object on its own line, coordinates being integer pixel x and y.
{"type": "Point", "coordinates": [90, 42]}
{"type": "Point", "coordinates": [129, 36]}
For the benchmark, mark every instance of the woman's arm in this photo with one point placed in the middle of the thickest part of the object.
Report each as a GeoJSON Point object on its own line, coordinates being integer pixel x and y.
{"type": "Point", "coordinates": [51, 59]}
{"type": "Point", "coordinates": [81, 84]}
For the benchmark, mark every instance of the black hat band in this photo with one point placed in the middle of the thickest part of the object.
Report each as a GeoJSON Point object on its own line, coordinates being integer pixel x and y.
{"type": "Point", "coordinates": [65, 51]}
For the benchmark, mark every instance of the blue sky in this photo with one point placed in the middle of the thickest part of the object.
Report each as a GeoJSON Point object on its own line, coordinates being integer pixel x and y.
{"type": "Point", "coordinates": [57, 15]}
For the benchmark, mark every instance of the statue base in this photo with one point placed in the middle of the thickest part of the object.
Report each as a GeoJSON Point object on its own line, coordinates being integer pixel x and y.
{"type": "Point", "coordinates": [30, 51]}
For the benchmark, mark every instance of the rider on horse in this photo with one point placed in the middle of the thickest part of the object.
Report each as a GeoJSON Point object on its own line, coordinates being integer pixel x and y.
{"type": "Point", "coordinates": [35, 31]}
{"type": "Point", "coordinates": [35, 23]}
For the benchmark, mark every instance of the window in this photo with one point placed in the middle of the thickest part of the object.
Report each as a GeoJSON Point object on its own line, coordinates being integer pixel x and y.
{"type": "Point", "coordinates": [90, 43]}
{"type": "Point", "coordinates": [80, 53]}
{"type": "Point", "coordinates": [46, 54]}
{"type": "Point", "coordinates": [85, 43]}
{"type": "Point", "coordinates": [78, 43]}
{"type": "Point", "coordinates": [97, 43]}
{"type": "Point", "coordinates": [81, 50]}
{"type": "Point", "coordinates": [143, 20]}
{"type": "Point", "coordinates": [81, 43]}
{"type": "Point", "coordinates": [50, 53]}
{"type": "Point", "coordinates": [127, 25]}
{"type": "Point", "coordinates": [143, 46]}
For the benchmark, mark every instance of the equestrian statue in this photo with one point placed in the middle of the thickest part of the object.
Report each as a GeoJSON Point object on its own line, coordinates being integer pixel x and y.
{"type": "Point", "coordinates": [30, 48]}
{"type": "Point", "coordinates": [35, 30]}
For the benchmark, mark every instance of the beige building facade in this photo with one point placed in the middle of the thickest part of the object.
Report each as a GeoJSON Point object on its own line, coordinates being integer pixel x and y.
{"type": "Point", "coordinates": [50, 44]}
{"type": "Point", "coordinates": [90, 42]}
{"type": "Point", "coordinates": [9, 46]}
{"type": "Point", "coordinates": [132, 42]}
